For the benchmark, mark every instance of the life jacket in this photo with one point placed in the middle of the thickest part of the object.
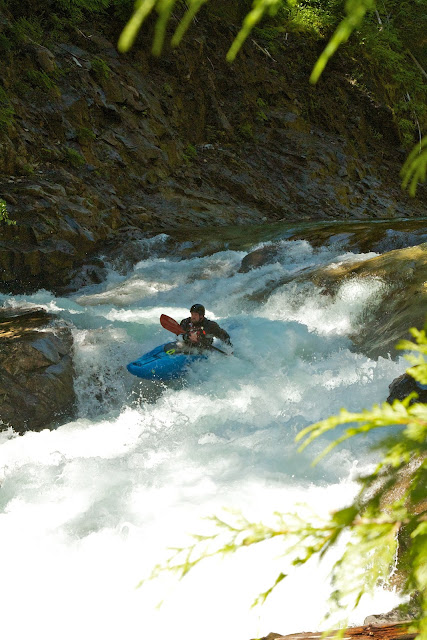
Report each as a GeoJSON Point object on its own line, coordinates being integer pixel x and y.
{"type": "Point", "coordinates": [197, 329]}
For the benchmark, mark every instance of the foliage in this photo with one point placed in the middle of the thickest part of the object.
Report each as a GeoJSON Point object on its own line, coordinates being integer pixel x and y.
{"type": "Point", "coordinates": [100, 68]}
{"type": "Point", "coordinates": [85, 136]}
{"type": "Point", "coordinates": [246, 131]}
{"type": "Point", "coordinates": [27, 29]}
{"type": "Point", "coordinates": [43, 82]}
{"type": "Point", "coordinates": [74, 158]}
{"type": "Point", "coordinates": [4, 216]}
{"type": "Point", "coordinates": [190, 153]}
{"type": "Point", "coordinates": [389, 509]}
{"type": "Point", "coordinates": [415, 168]}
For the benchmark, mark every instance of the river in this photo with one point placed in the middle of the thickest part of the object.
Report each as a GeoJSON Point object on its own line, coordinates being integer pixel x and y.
{"type": "Point", "coordinates": [88, 509]}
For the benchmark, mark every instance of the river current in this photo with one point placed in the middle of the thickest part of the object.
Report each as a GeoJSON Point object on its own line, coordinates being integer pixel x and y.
{"type": "Point", "coordinates": [88, 509]}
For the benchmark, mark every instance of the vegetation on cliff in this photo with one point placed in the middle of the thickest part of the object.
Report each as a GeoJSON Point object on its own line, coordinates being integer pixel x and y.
{"type": "Point", "coordinates": [387, 43]}
{"type": "Point", "coordinates": [386, 55]}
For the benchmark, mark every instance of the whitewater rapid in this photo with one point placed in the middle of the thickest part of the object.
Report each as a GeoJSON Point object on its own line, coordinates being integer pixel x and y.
{"type": "Point", "coordinates": [88, 509]}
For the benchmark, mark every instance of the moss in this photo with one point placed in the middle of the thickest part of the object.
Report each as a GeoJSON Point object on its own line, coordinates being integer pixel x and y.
{"type": "Point", "coordinates": [190, 153]}
{"type": "Point", "coordinates": [24, 30]}
{"type": "Point", "coordinates": [74, 158]}
{"type": "Point", "coordinates": [43, 82]}
{"type": "Point", "coordinates": [85, 135]}
{"type": "Point", "coordinates": [246, 131]}
{"type": "Point", "coordinates": [100, 69]}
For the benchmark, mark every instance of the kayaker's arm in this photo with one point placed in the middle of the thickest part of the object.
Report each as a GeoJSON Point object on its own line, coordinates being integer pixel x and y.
{"type": "Point", "coordinates": [215, 330]}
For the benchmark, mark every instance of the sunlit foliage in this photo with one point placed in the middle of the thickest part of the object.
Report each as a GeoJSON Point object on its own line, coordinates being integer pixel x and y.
{"type": "Point", "coordinates": [415, 168]}
{"type": "Point", "coordinates": [4, 215]}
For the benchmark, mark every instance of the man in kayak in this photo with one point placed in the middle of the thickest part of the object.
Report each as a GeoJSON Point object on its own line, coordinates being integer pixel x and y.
{"type": "Point", "coordinates": [200, 331]}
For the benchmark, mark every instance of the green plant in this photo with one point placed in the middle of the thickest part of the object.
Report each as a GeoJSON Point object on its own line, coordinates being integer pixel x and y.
{"type": "Point", "coordinates": [74, 158]}
{"type": "Point", "coordinates": [390, 506]}
{"type": "Point", "coordinates": [246, 131]}
{"type": "Point", "coordinates": [190, 153]}
{"type": "Point", "coordinates": [4, 216]}
{"type": "Point", "coordinates": [28, 169]}
{"type": "Point", "coordinates": [100, 69]}
{"type": "Point", "coordinates": [85, 135]}
{"type": "Point", "coordinates": [43, 82]}
{"type": "Point", "coordinates": [261, 115]}
{"type": "Point", "coordinates": [25, 30]}
{"type": "Point", "coordinates": [415, 168]}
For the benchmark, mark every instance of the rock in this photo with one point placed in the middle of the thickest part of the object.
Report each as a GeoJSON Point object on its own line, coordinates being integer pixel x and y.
{"type": "Point", "coordinates": [401, 301]}
{"type": "Point", "coordinates": [400, 613]}
{"type": "Point", "coordinates": [36, 370]}
{"type": "Point", "coordinates": [403, 386]}
{"type": "Point", "coordinates": [45, 58]}
{"type": "Point", "coordinates": [259, 257]}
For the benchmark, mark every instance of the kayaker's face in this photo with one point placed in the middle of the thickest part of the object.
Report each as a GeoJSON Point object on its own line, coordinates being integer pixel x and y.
{"type": "Point", "coordinates": [195, 317]}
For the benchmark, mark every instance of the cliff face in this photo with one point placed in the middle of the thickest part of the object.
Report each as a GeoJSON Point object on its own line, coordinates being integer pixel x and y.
{"type": "Point", "coordinates": [95, 144]}
{"type": "Point", "coordinates": [36, 370]}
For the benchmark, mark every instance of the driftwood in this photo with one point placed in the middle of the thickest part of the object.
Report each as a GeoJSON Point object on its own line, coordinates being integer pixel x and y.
{"type": "Point", "coordinates": [398, 631]}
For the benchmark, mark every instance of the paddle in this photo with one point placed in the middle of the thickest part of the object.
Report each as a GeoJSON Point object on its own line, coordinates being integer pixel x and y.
{"type": "Point", "coordinates": [172, 325]}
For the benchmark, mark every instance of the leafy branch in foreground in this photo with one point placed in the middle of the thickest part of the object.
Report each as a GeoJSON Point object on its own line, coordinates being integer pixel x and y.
{"type": "Point", "coordinates": [384, 528]}
{"type": "Point", "coordinates": [415, 168]}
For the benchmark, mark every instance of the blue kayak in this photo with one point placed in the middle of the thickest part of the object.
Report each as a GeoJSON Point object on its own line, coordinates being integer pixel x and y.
{"type": "Point", "coordinates": [165, 362]}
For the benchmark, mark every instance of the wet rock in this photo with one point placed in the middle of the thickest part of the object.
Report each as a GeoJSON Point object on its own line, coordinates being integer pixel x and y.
{"type": "Point", "coordinates": [45, 58]}
{"type": "Point", "coordinates": [403, 612]}
{"type": "Point", "coordinates": [401, 302]}
{"type": "Point", "coordinates": [259, 257]}
{"type": "Point", "coordinates": [36, 370]}
{"type": "Point", "coordinates": [405, 384]}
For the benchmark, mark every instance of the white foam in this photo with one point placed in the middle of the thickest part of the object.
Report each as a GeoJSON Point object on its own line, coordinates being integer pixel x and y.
{"type": "Point", "coordinates": [88, 509]}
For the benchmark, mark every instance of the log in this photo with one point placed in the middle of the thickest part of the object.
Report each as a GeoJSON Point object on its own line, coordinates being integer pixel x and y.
{"type": "Point", "coordinates": [396, 631]}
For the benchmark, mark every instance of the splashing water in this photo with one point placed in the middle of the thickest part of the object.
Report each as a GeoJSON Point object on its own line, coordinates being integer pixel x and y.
{"type": "Point", "coordinates": [88, 509]}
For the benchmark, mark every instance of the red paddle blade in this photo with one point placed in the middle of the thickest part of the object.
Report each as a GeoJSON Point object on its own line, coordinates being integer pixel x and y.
{"type": "Point", "coordinates": [171, 325]}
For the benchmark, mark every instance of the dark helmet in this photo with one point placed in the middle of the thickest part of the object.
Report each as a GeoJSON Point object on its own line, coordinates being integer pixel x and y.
{"type": "Point", "coordinates": [198, 308]}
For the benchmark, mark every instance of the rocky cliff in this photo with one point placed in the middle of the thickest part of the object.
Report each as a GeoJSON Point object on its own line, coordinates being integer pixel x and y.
{"type": "Point", "coordinates": [36, 370]}
{"type": "Point", "coordinates": [95, 144]}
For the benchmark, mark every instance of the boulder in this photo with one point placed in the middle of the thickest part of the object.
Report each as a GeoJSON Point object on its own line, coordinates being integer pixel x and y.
{"type": "Point", "coordinates": [36, 370]}
{"type": "Point", "coordinates": [400, 305]}
{"type": "Point", "coordinates": [403, 386]}
{"type": "Point", "coordinates": [259, 257]}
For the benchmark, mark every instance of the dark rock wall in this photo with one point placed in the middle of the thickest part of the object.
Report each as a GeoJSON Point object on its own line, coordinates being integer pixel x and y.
{"type": "Point", "coordinates": [100, 141]}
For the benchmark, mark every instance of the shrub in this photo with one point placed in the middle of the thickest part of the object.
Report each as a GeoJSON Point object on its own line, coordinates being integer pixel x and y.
{"type": "Point", "coordinates": [4, 216]}
{"type": "Point", "coordinates": [74, 158]}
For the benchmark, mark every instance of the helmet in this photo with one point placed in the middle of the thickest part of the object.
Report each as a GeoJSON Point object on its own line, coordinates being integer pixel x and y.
{"type": "Point", "coordinates": [198, 308]}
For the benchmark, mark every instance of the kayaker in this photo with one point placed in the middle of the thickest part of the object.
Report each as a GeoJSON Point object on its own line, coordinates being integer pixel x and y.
{"type": "Point", "coordinates": [200, 331]}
